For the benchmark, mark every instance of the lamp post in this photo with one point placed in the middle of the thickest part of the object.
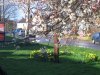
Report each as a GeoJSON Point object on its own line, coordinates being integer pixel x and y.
{"type": "Point", "coordinates": [3, 12]}
{"type": "Point", "coordinates": [28, 17]}
{"type": "Point", "coordinates": [0, 13]}
{"type": "Point", "coordinates": [4, 17]}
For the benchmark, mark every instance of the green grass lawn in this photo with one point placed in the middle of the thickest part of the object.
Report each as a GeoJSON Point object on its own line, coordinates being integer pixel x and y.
{"type": "Point", "coordinates": [17, 62]}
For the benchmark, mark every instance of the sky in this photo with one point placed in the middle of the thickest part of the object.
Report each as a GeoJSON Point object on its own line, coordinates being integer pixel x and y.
{"type": "Point", "coordinates": [19, 15]}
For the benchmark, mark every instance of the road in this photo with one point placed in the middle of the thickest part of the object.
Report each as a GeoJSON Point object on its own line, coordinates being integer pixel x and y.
{"type": "Point", "coordinates": [85, 44]}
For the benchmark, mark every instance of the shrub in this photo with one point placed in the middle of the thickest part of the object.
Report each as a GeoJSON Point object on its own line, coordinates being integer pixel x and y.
{"type": "Point", "coordinates": [84, 56]}
{"type": "Point", "coordinates": [37, 55]}
{"type": "Point", "coordinates": [49, 55]}
{"type": "Point", "coordinates": [91, 57]}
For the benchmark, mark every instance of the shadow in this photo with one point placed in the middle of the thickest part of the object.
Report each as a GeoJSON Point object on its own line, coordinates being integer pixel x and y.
{"type": "Point", "coordinates": [6, 46]}
{"type": "Point", "coordinates": [29, 66]}
{"type": "Point", "coordinates": [2, 72]}
{"type": "Point", "coordinates": [16, 62]}
{"type": "Point", "coordinates": [23, 46]}
{"type": "Point", "coordinates": [33, 46]}
{"type": "Point", "coordinates": [5, 54]}
{"type": "Point", "coordinates": [22, 65]}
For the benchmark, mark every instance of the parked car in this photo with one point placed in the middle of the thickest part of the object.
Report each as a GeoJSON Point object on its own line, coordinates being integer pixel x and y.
{"type": "Point", "coordinates": [19, 33]}
{"type": "Point", "coordinates": [96, 37]}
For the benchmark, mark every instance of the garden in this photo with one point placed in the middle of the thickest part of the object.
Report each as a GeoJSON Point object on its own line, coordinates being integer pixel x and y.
{"type": "Point", "coordinates": [27, 59]}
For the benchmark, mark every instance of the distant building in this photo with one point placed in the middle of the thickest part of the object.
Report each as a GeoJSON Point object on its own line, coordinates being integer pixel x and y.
{"type": "Point", "coordinates": [35, 26]}
{"type": "Point", "coordinates": [22, 25]}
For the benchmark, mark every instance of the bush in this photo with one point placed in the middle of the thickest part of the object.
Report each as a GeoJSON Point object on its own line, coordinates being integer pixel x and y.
{"type": "Point", "coordinates": [37, 55]}
{"type": "Point", "coordinates": [84, 56]}
{"type": "Point", "coordinates": [91, 57]}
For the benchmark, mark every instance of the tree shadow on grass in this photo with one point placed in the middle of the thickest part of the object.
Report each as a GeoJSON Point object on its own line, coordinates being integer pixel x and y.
{"type": "Point", "coordinates": [19, 64]}
{"type": "Point", "coordinates": [23, 46]}
{"type": "Point", "coordinates": [67, 66]}
{"type": "Point", "coordinates": [4, 54]}
{"type": "Point", "coordinates": [34, 46]}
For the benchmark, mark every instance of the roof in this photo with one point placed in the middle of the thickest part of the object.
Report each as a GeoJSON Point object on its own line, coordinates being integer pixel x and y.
{"type": "Point", "coordinates": [23, 20]}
